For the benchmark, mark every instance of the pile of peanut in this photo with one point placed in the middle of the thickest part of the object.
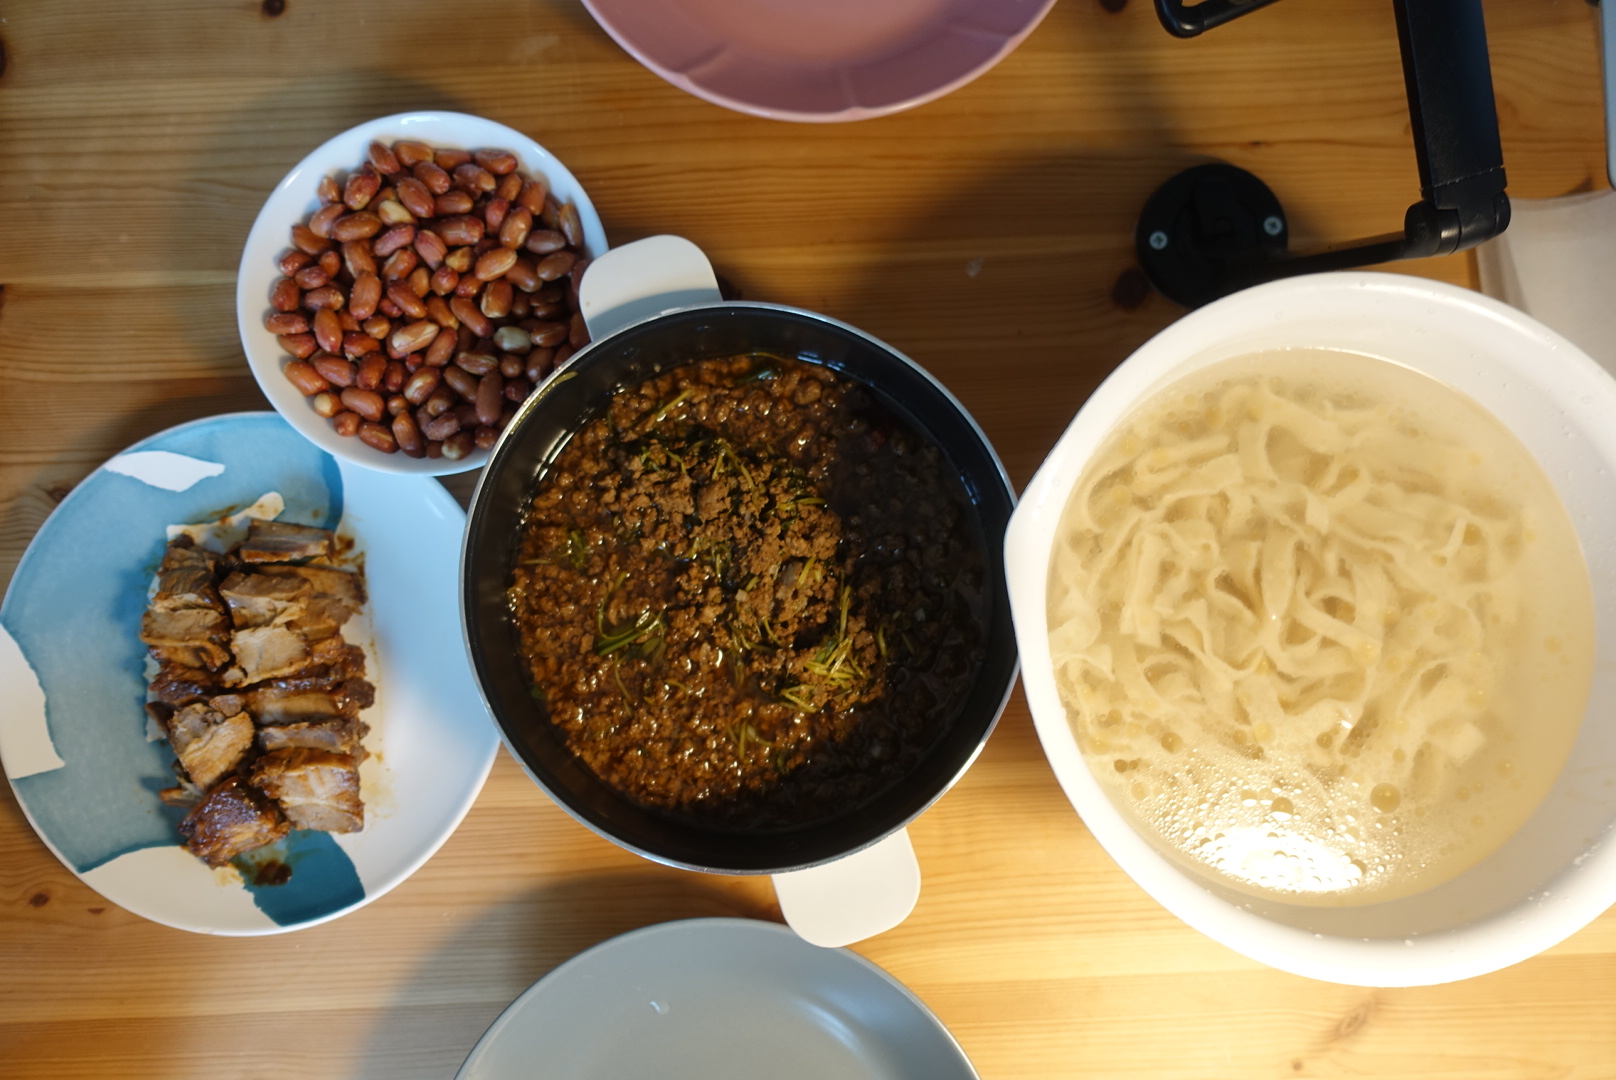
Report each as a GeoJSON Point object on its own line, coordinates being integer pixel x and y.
{"type": "Point", "coordinates": [428, 296]}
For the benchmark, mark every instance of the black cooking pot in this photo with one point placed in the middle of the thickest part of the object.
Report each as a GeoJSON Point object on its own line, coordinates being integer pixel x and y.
{"type": "Point", "coordinates": [576, 395]}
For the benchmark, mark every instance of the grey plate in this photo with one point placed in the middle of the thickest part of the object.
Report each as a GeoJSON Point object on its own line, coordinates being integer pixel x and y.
{"type": "Point", "coordinates": [716, 999]}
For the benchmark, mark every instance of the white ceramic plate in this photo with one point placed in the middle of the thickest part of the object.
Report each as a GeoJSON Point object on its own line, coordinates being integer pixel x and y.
{"type": "Point", "coordinates": [717, 999]}
{"type": "Point", "coordinates": [294, 199]}
{"type": "Point", "coordinates": [72, 731]}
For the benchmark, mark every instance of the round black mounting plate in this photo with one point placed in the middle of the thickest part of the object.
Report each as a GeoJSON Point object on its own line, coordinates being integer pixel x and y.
{"type": "Point", "coordinates": [1207, 231]}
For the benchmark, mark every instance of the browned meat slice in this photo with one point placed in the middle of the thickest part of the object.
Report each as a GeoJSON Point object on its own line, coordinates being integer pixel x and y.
{"type": "Point", "coordinates": [191, 628]}
{"type": "Point", "coordinates": [183, 554]}
{"type": "Point", "coordinates": [265, 652]}
{"type": "Point", "coordinates": [209, 744]}
{"type": "Point", "coordinates": [178, 685]}
{"type": "Point", "coordinates": [271, 704]}
{"type": "Point", "coordinates": [317, 789]}
{"type": "Point", "coordinates": [181, 656]}
{"type": "Point", "coordinates": [335, 736]}
{"type": "Point", "coordinates": [281, 541]}
{"type": "Point", "coordinates": [231, 820]}
{"type": "Point", "coordinates": [186, 587]}
{"type": "Point", "coordinates": [354, 695]}
{"type": "Point", "coordinates": [228, 704]}
{"type": "Point", "coordinates": [335, 596]}
{"type": "Point", "coordinates": [262, 599]}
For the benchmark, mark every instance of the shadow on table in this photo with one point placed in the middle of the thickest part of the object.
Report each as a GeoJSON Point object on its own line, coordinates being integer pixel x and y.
{"type": "Point", "coordinates": [441, 1011]}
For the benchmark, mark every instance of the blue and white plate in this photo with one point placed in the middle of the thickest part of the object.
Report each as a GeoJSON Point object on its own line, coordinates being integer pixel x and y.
{"type": "Point", "coordinates": [73, 735]}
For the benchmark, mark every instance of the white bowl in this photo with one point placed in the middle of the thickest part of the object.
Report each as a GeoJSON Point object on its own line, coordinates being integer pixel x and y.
{"type": "Point", "coordinates": [294, 199]}
{"type": "Point", "coordinates": [1558, 872]}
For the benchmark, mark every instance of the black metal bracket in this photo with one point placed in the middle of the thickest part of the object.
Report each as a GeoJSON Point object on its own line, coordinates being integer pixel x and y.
{"type": "Point", "coordinates": [1193, 240]}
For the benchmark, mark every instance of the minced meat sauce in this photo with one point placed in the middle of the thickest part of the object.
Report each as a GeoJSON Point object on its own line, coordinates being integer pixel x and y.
{"type": "Point", "coordinates": [749, 593]}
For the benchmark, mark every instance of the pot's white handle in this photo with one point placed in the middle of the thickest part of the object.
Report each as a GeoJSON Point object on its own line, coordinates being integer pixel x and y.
{"type": "Point", "coordinates": [642, 279]}
{"type": "Point", "coordinates": [853, 898]}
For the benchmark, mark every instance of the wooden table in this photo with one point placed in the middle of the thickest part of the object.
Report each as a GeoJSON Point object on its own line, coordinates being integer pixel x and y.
{"type": "Point", "coordinates": [989, 235]}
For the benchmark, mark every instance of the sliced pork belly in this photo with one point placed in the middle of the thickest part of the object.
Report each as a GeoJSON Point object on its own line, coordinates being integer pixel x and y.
{"type": "Point", "coordinates": [337, 736]}
{"type": "Point", "coordinates": [265, 652]}
{"type": "Point", "coordinates": [317, 789]}
{"type": "Point", "coordinates": [281, 541]}
{"type": "Point", "coordinates": [335, 595]}
{"type": "Point", "coordinates": [179, 685]}
{"type": "Point", "coordinates": [208, 743]}
{"type": "Point", "coordinates": [232, 819]}
{"type": "Point", "coordinates": [264, 599]}
{"type": "Point", "coordinates": [271, 704]}
{"type": "Point", "coordinates": [186, 634]}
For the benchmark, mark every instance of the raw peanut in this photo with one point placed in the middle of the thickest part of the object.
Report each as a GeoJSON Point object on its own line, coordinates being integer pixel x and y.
{"type": "Point", "coordinates": [464, 229]}
{"type": "Point", "coordinates": [494, 214]}
{"type": "Point", "coordinates": [357, 345]}
{"type": "Point", "coordinates": [572, 226]}
{"type": "Point", "coordinates": [358, 260]}
{"type": "Point", "coordinates": [392, 212]}
{"type": "Point", "coordinates": [388, 193]}
{"type": "Point", "coordinates": [466, 413]}
{"type": "Point", "coordinates": [444, 280]}
{"type": "Point", "coordinates": [415, 197]}
{"type": "Point", "coordinates": [496, 299]}
{"type": "Point", "coordinates": [385, 161]}
{"type": "Point", "coordinates": [513, 339]}
{"type": "Point", "coordinates": [397, 405]}
{"type": "Point", "coordinates": [539, 364]}
{"type": "Point", "coordinates": [514, 228]}
{"type": "Point", "coordinates": [498, 162]}
{"type": "Point", "coordinates": [562, 355]}
{"type": "Point", "coordinates": [467, 313]}
{"type": "Point", "coordinates": [521, 303]}
{"type": "Point", "coordinates": [460, 380]}
{"type": "Point", "coordinates": [402, 295]}
{"type": "Point", "coordinates": [414, 361]}
{"type": "Point", "coordinates": [327, 296]}
{"type": "Point", "coordinates": [367, 290]}
{"type": "Point", "coordinates": [434, 450]}
{"type": "Point", "coordinates": [552, 306]}
{"type": "Point", "coordinates": [350, 325]}
{"type": "Point", "coordinates": [327, 189]}
{"type": "Point", "coordinates": [378, 437]}
{"type": "Point", "coordinates": [417, 335]}
{"type": "Point", "coordinates": [460, 259]}
{"type": "Point", "coordinates": [301, 346]}
{"type": "Point", "coordinates": [378, 326]}
{"type": "Point", "coordinates": [346, 424]}
{"type": "Point", "coordinates": [458, 445]}
{"type": "Point", "coordinates": [408, 435]}
{"type": "Point", "coordinates": [517, 390]}
{"type": "Point", "coordinates": [303, 375]}
{"type": "Point", "coordinates": [420, 385]}
{"type": "Point", "coordinates": [441, 349]}
{"type": "Point", "coordinates": [475, 363]}
{"type": "Point", "coordinates": [551, 213]}
{"type": "Point", "coordinates": [531, 197]}
{"type": "Point", "coordinates": [411, 153]}
{"type": "Point", "coordinates": [335, 370]}
{"type": "Point", "coordinates": [327, 404]}
{"type": "Point", "coordinates": [485, 438]}
{"type": "Point", "coordinates": [473, 178]}
{"type": "Point", "coordinates": [441, 427]}
{"type": "Point", "coordinates": [523, 275]}
{"type": "Point", "coordinates": [286, 322]}
{"type": "Point", "coordinates": [495, 263]}
{"type": "Point", "coordinates": [465, 339]}
{"type": "Point", "coordinates": [509, 186]}
{"type": "Point", "coordinates": [293, 261]}
{"type": "Point", "coordinates": [430, 246]}
{"type": "Point", "coordinates": [510, 366]}
{"type": "Point", "coordinates": [311, 277]}
{"type": "Point", "coordinates": [554, 266]}
{"type": "Point", "coordinates": [400, 264]}
{"type": "Point", "coordinates": [433, 177]}
{"type": "Point", "coordinates": [437, 309]}
{"type": "Point", "coordinates": [389, 309]}
{"type": "Point", "coordinates": [393, 379]}
{"type": "Point", "coordinates": [469, 287]}
{"type": "Point", "coordinates": [304, 239]}
{"type": "Point", "coordinates": [366, 403]}
{"type": "Point", "coordinates": [484, 246]}
{"type": "Point", "coordinates": [361, 188]}
{"type": "Point", "coordinates": [453, 202]}
{"type": "Point", "coordinates": [549, 334]}
{"type": "Point", "coordinates": [449, 159]}
{"type": "Point", "coordinates": [328, 330]}
{"type": "Point", "coordinates": [544, 241]}
{"type": "Point", "coordinates": [320, 224]}
{"type": "Point", "coordinates": [420, 281]}
{"type": "Point", "coordinates": [331, 263]}
{"type": "Point", "coordinates": [372, 370]}
{"type": "Point", "coordinates": [361, 225]}
{"type": "Point", "coordinates": [579, 336]}
{"type": "Point", "coordinates": [393, 239]}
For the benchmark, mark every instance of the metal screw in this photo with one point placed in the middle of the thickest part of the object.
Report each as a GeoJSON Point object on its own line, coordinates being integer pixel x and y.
{"type": "Point", "coordinates": [1272, 225]}
{"type": "Point", "coordinates": [1158, 240]}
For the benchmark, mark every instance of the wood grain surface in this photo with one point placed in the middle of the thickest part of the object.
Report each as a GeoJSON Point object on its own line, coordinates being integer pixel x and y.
{"type": "Point", "coordinates": [987, 234]}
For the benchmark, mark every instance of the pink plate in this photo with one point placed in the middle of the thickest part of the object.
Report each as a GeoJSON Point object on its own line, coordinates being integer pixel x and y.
{"type": "Point", "coordinates": [818, 60]}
